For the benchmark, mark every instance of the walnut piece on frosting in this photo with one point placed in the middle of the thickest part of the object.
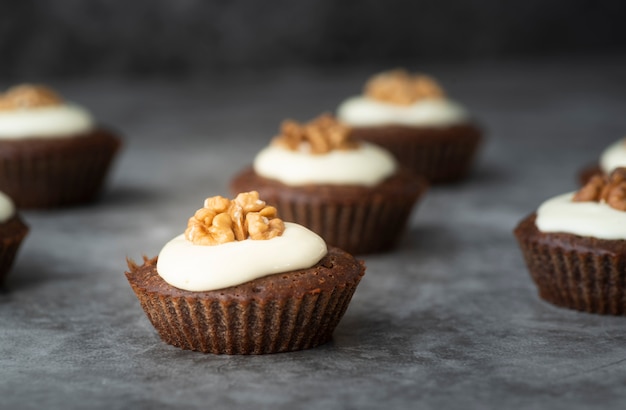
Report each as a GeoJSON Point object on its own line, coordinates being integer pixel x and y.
{"type": "Point", "coordinates": [323, 134]}
{"type": "Point", "coordinates": [402, 88]}
{"type": "Point", "coordinates": [29, 96]}
{"type": "Point", "coordinates": [222, 220]}
{"type": "Point", "coordinates": [610, 189]}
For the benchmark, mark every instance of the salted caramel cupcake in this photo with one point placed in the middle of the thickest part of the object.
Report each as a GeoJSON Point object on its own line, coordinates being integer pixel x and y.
{"type": "Point", "coordinates": [239, 280]}
{"type": "Point", "coordinates": [411, 116]}
{"type": "Point", "coordinates": [12, 232]}
{"type": "Point", "coordinates": [352, 193]}
{"type": "Point", "coordinates": [575, 246]}
{"type": "Point", "coordinates": [52, 153]}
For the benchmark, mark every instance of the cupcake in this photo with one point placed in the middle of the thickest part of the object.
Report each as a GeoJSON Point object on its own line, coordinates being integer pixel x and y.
{"type": "Point", "coordinates": [614, 156]}
{"type": "Point", "coordinates": [239, 280]}
{"type": "Point", "coordinates": [353, 194]}
{"type": "Point", "coordinates": [409, 115]}
{"type": "Point", "coordinates": [51, 152]}
{"type": "Point", "coordinates": [575, 246]}
{"type": "Point", "coordinates": [12, 232]}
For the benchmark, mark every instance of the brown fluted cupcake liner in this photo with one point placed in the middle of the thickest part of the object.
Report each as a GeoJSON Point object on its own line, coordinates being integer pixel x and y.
{"type": "Point", "coordinates": [54, 172]}
{"type": "Point", "coordinates": [575, 272]}
{"type": "Point", "coordinates": [359, 220]}
{"type": "Point", "coordinates": [441, 155]}
{"type": "Point", "coordinates": [277, 313]}
{"type": "Point", "coordinates": [359, 228]}
{"type": "Point", "coordinates": [12, 233]}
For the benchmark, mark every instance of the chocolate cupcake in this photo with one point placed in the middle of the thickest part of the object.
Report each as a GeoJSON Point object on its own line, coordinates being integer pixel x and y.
{"type": "Point", "coordinates": [12, 233]}
{"type": "Point", "coordinates": [242, 281]}
{"type": "Point", "coordinates": [51, 152]}
{"type": "Point", "coordinates": [575, 246]}
{"type": "Point", "coordinates": [614, 156]}
{"type": "Point", "coordinates": [410, 116]}
{"type": "Point", "coordinates": [353, 194]}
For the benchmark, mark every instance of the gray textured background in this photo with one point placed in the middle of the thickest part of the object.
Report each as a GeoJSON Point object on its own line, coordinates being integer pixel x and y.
{"type": "Point", "coordinates": [40, 38]}
{"type": "Point", "coordinates": [449, 320]}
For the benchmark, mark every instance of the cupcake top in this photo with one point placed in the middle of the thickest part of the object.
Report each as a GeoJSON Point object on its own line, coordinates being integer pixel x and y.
{"type": "Point", "coordinates": [399, 98]}
{"type": "Point", "coordinates": [229, 242]}
{"type": "Point", "coordinates": [28, 111]}
{"type": "Point", "coordinates": [598, 209]}
{"type": "Point", "coordinates": [322, 152]}
{"type": "Point", "coordinates": [7, 208]}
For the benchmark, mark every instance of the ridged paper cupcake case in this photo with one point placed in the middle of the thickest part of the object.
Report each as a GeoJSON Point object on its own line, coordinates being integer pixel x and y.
{"type": "Point", "coordinates": [441, 155]}
{"type": "Point", "coordinates": [12, 233]}
{"type": "Point", "coordinates": [574, 272]}
{"type": "Point", "coordinates": [40, 173]}
{"type": "Point", "coordinates": [357, 227]}
{"type": "Point", "coordinates": [239, 325]}
{"type": "Point", "coordinates": [359, 220]}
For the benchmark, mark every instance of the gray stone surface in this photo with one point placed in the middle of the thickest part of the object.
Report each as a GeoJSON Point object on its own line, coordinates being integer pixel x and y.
{"type": "Point", "coordinates": [450, 319]}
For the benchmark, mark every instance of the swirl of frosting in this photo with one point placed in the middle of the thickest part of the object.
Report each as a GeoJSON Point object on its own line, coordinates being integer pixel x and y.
{"type": "Point", "coordinates": [399, 98]}
{"type": "Point", "coordinates": [203, 268]}
{"type": "Point", "coordinates": [28, 111]}
{"type": "Point", "coordinates": [366, 112]}
{"type": "Point", "coordinates": [595, 219]}
{"type": "Point", "coordinates": [366, 165]}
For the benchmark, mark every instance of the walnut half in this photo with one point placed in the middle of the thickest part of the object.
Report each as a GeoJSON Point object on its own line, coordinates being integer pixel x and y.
{"type": "Point", "coordinates": [402, 88]}
{"type": "Point", "coordinates": [28, 96]}
{"type": "Point", "coordinates": [610, 189]}
{"type": "Point", "coordinates": [323, 134]}
{"type": "Point", "coordinates": [222, 220]}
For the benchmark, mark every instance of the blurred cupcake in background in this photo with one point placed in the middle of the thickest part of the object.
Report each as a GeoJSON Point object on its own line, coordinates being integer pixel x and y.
{"type": "Point", "coordinates": [351, 193]}
{"type": "Point", "coordinates": [574, 246]}
{"type": "Point", "coordinates": [52, 153]}
{"type": "Point", "coordinates": [410, 115]}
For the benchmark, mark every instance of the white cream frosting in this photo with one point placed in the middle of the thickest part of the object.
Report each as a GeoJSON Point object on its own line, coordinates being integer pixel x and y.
{"type": "Point", "coordinates": [614, 156]}
{"type": "Point", "coordinates": [362, 111]}
{"type": "Point", "coordinates": [7, 208]}
{"type": "Point", "coordinates": [596, 219]}
{"type": "Point", "coordinates": [202, 268]}
{"type": "Point", "coordinates": [44, 122]}
{"type": "Point", "coordinates": [367, 165]}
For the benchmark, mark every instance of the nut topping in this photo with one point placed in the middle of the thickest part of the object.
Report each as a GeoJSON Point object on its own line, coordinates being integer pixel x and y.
{"type": "Point", "coordinates": [609, 189]}
{"type": "Point", "coordinates": [28, 96]}
{"type": "Point", "coordinates": [323, 134]}
{"type": "Point", "coordinates": [402, 88]}
{"type": "Point", "coordinates": [222, 220]}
